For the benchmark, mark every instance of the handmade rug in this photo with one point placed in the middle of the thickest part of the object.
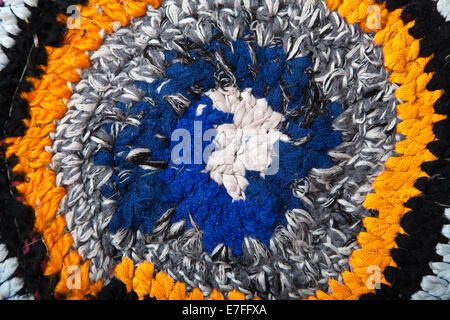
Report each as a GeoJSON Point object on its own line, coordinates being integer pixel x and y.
{"type": "Point", "coordinates": [224, 149]}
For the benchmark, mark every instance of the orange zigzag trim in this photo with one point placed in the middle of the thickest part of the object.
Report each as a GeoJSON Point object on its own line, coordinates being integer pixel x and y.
{"type": "Point", "coordinates": [162, 287]}
{"type": "Point", "coordinates": [47, 103]}
{"type": "Point", "coordinates": [395, 185]}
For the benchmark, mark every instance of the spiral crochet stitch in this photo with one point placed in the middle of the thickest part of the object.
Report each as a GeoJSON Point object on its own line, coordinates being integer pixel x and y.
{"type": "Point", "coordinates": [254, 149]}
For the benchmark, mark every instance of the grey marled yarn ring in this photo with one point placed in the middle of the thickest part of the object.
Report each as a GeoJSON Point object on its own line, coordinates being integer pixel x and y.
{"type": "Point", "coordinates": [316, 243]}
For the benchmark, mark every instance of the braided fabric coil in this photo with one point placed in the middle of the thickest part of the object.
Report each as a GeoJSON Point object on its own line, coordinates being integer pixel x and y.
{"type": "Point", "coordinates": [254, 149]}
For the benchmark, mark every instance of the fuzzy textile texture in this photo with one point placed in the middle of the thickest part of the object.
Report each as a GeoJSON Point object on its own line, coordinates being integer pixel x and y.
{"type": "Point", "coordinates": [249, 149]}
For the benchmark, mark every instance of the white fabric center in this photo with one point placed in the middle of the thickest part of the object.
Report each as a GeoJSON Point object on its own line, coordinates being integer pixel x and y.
{"type": "Point", "coordinates": [248, 143]}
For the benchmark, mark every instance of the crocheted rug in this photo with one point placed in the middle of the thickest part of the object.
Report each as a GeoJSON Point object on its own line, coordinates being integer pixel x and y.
{"type": "Point", "coordinates": [224, 149]}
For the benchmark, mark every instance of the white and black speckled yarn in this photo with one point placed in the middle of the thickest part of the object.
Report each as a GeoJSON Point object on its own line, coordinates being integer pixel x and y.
{"type": "Point", "coordinates": [316, 243]}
